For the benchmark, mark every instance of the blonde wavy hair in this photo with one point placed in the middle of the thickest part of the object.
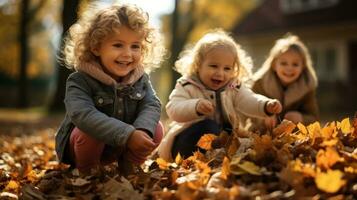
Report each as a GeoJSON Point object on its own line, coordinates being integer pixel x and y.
{"type": "Point", "coordinates": [191, 58]}
{"type": "Point", "coordinates": [98, 22]}
{"type": "Point", "coordinates": [288, 42]}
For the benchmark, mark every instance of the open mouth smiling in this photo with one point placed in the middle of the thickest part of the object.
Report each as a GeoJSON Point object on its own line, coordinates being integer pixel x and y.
{"type": "Point", "coordinates": [216, 82]}
{"type": "Point", "coordinates": [123, 64]}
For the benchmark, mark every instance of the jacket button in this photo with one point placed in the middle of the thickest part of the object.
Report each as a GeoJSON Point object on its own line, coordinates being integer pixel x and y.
{"type": "Point", "coordinates": [138, 95]}
{"type": "Point", "coordinates": [100, 100]}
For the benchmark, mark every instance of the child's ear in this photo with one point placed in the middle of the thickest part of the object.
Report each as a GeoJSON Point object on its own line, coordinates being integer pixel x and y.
{"type": "Point", "coordinates": [273, 66]}
{"type": "Point", "coordinates": [95, 51]}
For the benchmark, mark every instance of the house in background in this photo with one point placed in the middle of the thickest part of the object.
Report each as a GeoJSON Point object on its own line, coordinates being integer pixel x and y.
{"type": "Point", "coordinates": [328, 28]}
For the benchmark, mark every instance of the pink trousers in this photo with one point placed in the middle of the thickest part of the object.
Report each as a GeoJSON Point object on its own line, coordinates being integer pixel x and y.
{"type": "Point", "coordinates": [88, 152]}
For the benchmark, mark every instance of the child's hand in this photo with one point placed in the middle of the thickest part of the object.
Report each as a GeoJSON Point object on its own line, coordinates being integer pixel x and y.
{"type": "Point", "coordinates": [273, 107]}
{"type": "Point", "coordinates": [204, 107]}
{"type": "Point", "coordinates": [294, 116]}
{"type": "Point", "coordinates": [270, 122]}
{"type": "Point", "coordinates": [140, 144]}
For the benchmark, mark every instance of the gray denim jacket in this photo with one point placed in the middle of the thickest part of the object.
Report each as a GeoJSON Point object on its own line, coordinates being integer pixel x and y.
{"type": "Point", "coordinates": [107, 113]}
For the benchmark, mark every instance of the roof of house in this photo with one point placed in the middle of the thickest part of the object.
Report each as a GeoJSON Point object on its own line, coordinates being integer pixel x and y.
{"type": "Point", "coordinates": [269, 16]}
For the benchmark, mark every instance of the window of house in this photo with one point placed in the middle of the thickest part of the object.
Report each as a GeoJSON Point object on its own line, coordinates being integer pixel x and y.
{"type": "Point", "coordinates": [326, 60]}
{"type": "Point", "coordinates": [296, 6]}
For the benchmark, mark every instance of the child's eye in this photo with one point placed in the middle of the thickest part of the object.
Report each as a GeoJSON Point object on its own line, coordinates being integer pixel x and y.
{"type": "Point", "coordinates": [296, 64]}
{"type": "Point", "coordinates": [118, 45]}
{"type": "Point", "coordinates": [136, 46]}
{"type": "Point", "coordinates": [283, 63]}
{"type": "Point", "coordinates": [227, 68]}
{"type": "Point", "coordinates": [213, 65]}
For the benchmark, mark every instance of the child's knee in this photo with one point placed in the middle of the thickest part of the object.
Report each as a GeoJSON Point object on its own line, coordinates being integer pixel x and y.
{"type": "Point", "coordinates": [159, 133]}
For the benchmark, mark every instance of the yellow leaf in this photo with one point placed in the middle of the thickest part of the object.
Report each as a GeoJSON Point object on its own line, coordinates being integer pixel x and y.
{"type": "Point", "coordinates": [314, 131]}
{"type": "Point", "coordinates": [302, 128]}
{"type": "Point", "coordinates": [12, 185]}
{"type": "Point", "coordinates": [345, 126]}
{"type": "Point", "coordinates": [326, 159]}
{"type": "Point", "coordinates": [178, 159]}
{"type": "Point", "coordinates": [330, 182]}
{"type": "Point", "coordinates": [205, 141]}
{"type": "Point", "coordinates": [330, 143]}
{"type": "Point", "coordinates": [245, 167]}
{"type": "Point", "coordinates": [225, 168]}
{"type": "Point", "coordinates": [162, 163]}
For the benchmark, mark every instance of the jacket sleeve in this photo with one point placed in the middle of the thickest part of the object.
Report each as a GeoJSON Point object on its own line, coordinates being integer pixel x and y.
{"type": "Point", "coordinates": [84, 115]}
{"type": "Point", "coordinates": [250, 103]}
{"type": "Point", "coordinates": [310, 111]}
{"type": "Point", "coordinates": [181, 106]}
{"type": "Point", "coordinates": [149, 109]}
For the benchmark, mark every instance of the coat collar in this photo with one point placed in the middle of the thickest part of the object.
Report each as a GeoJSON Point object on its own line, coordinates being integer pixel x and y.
{"type": "Point", "coordinates": [293, 93]}
{"type": "Point", "coordinates": [95, 70]}
{"type": "Point", "coordinates": [194, 80]}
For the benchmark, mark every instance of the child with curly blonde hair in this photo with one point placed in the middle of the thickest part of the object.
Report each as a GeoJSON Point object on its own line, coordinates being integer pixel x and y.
{"type": "Point", "coordinates": [288, 75]}
{"type": "Point", "coordinates": [210, 94]}
{"type": "Point", "coordinates": [112, 111]}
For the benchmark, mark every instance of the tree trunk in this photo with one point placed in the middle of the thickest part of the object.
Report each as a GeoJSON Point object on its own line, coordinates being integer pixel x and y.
{"type": "Point", "coordinates": [69, 17]}
{"type": "Point", "coordinates": [23, 38]}
{"type": "Point", "coordinates": [180, 35]}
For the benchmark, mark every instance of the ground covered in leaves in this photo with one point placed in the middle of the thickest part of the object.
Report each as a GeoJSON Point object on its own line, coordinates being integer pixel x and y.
{"type": "Point", "coordinates": [290, 162]}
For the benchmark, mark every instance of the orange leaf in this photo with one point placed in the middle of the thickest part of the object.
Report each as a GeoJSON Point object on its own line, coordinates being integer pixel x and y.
{"type": "Point", "coordinates": [330, 182]}
{"type": "Point", "coordinates": [12, 186]}
{"type": "Point", "coordinates": [233, 147]}
{"type": "Point", "coordinates": [205, 141]}
{"type": "Point", "coordinates": [285, 127]}
{"type": "Point", "coordinates": [302, 128]}
{"type": "Point", "coordinates": [163, 164]}
{"type": "Point", "coordinates": [225, 168]}
{"type": "Point", "coordinates": [326, 159]}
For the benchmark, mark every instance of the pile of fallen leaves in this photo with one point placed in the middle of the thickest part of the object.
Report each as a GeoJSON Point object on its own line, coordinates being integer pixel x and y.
{"type": "Point", "coordinates": [290, 162]}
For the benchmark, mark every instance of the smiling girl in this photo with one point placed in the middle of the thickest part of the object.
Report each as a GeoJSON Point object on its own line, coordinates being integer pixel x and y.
{"type": "Point", "coordinates": [112, 111]}
{"type": "Point", "coordinates": [288, 75]}
{"type": "Point", "coordinates": [210, 94]}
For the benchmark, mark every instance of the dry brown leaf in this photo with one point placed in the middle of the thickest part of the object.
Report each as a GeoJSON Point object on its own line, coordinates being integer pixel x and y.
{"type": "Point", "coordinates": [285, 127]}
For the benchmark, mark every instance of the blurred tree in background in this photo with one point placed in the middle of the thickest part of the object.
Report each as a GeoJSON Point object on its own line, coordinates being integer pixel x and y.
{"type": "Point", "coordinates": [28, 38]}
{"type": "Point", "coordinates": [29, 72]}
{"type": "Point", "coordinates": [69, 16]}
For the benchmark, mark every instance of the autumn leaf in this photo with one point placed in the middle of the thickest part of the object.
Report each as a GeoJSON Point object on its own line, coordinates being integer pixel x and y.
{"type": "Point", "coordinates": [244, 168]}
{"type": "Point", "coordinates": [345, 126]}
{"type": "Point", "coordinates": [331, 181]}
{"type": "Point", "coordinates": [326, 159]}
{"type": "Point", "coordinates": [178, 159]}
{"type": "Point", "coordinates": [205, 141]}
{"type": "Point", "coordinates": [12, 186]}
{"type": "Point", "coordinates": [329, 131]}
{"type": "Point", "coordinates": [302, 128]}
{"type": "Point", "coordinates": [225, 168]}
{"type": "Point", "coordinates": [285, 127]}
{"type": "Point", "coordinates": [163, 164]}
{"type": "Point", "coordinates": [233, 147]}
